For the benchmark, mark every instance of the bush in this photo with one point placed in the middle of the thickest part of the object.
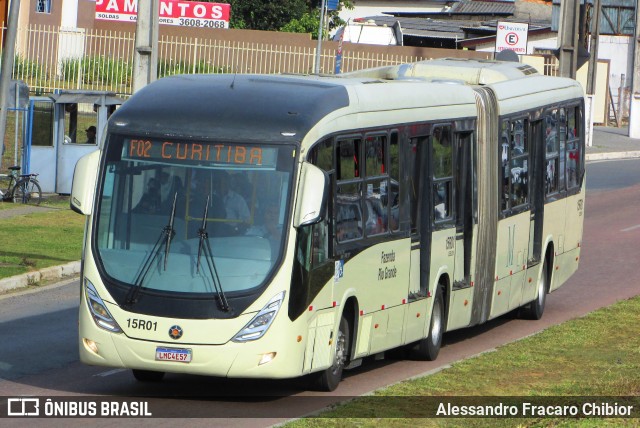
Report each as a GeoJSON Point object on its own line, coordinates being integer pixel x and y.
{"type": "Point", "coordinates": [97, 69]}
{"type": "Point", "coordinates": [24, 68]}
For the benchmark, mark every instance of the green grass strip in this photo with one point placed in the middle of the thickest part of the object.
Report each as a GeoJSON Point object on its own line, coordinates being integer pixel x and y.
{"type": "Point", "coordinates": [594, 356]}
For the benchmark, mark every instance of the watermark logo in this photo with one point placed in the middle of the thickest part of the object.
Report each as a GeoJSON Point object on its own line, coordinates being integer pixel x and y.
{"type": "Point", "coordinates": [23, 407]}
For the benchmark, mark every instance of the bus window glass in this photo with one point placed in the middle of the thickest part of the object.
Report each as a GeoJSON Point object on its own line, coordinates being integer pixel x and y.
{"type": "Point", "coordinates": [442, 200]}
{"type": "Point", "coordinates": [416, 147]}
{"type": "Point", "coordinates": [519, 182]}
{"type": "Point", "coordinates": [551, 132]}
{"type": "Point", "coordinates": [552, 170]}
{"type": "Point", "coordinates": [348, 159]}
{"type": "Point", "coordinates": [442, 164]}
{"type": "Point", "coordinates": [562, 143]}
{"type": "Point", "coordinates": [348, 212]}
{"type": "Point", "coordinates": [374, 153]}
{"type": "Point", "coordinates": [573, 149]}
{"type": "Point", "coordinates": [376, 207]}
{"type": "Point", "coordinates": [504, 158]}
{"type": "Point", "coordinates": [394, 172]}
{"type": "Point", "coordinates": [240, 192]}
{"type": "Point", "coordinates": [322, 155]}
{"type": "Point", "coordinates": [519, 171]}
{"type": "Point", "coordinates": [442, 152]}
{"type": "Point", "coordinates": [518, 138]}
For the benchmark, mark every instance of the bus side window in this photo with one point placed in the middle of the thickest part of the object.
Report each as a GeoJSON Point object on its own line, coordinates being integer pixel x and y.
{"type": "Point", "coordinates": [442, 164]}
{"type": "Point", "coordinates": [551, 174]}
{"type": "Point", "coordinates": [574, 158]}
{"type": "Point", "coordinates": [348, 159]}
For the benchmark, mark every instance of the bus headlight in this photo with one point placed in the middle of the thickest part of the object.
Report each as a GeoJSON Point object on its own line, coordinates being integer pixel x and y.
{"type": "Point", "coordinates": [258, 326]}
{"type": "Point", "coordinates": [99, 310]}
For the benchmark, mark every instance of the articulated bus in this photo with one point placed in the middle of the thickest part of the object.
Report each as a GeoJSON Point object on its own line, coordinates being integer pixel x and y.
{"type": "Point", "coordinates": [280, 226]}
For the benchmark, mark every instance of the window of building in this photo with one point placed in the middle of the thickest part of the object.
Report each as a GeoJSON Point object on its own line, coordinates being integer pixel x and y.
{"type": "Point", "coordinates": [43, 6]}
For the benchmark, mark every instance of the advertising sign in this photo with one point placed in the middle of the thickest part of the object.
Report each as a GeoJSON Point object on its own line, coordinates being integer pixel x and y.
{"type": "Point", "coordinates": [513, 36]}
{"type": "Point", "coordinates": [172, 12]}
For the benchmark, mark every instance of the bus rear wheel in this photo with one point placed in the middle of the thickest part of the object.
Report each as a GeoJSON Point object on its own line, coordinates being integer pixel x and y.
{"type": "Point", "coordinates": [535, 309]}
{"type": "Point", "coordinates": [428, 349]}
{"type": "Point", "coordinates": [147, 375]}
{"type": "Point", "coordinates": [329, 379]}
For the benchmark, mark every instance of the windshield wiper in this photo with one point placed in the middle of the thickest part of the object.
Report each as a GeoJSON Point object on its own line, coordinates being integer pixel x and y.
{"type": "Point", "coordinates": [204, 245]}
{"type": "Point", "coordinates": [167, 233]}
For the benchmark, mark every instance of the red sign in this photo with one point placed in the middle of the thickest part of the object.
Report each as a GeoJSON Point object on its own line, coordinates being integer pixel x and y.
{"type": "Point", "coordinates": [172, 12]}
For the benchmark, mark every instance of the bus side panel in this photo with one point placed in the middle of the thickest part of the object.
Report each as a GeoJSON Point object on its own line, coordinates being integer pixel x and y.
{"type": "Point", "coordinates": [460, 309]}
{"type": "Point", "coordinates": [554, 227]}
{"type": "Point", "coordinates": [511, 256]}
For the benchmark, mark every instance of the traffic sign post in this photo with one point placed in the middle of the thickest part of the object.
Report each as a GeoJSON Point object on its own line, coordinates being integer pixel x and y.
{"type": "Point", "coordinates": [512, 36]}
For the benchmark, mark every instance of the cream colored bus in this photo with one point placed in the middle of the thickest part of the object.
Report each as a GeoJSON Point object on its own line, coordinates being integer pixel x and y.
{"type": "Point", "coordinates": [283, 226]}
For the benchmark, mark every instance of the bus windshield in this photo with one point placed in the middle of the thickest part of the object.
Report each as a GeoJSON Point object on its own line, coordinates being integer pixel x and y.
{"type": "Point", "coordinates": [240, 193]}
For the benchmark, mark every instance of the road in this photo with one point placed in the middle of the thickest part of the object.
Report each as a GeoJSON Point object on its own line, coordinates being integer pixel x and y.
{"type": "Point", "coordinates": [41, 328]}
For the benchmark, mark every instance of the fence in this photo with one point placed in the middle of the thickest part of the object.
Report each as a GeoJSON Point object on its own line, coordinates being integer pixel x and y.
{"type": "Point", "coordinates": [49, 57]}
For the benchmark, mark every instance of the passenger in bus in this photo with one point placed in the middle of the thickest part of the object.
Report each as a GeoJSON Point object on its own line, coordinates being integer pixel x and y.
{"type": "Point", "coordinates": [169, 186]}
{"type": "Point", "coordinates": [270, 228]}
{"type": "Point", "coordinates": [150, 201]}
{"type": "Point", "coordinates": [234, 205]}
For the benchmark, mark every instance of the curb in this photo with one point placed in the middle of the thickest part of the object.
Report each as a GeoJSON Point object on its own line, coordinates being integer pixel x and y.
{"type": "Point", "coordinates": [612, 155]}
{"type": "Point", "coordinates": [47, 274]}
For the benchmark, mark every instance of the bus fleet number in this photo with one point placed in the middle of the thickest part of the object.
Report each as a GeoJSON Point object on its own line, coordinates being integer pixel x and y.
{"type": "Point", "coordinates": [142, 324]}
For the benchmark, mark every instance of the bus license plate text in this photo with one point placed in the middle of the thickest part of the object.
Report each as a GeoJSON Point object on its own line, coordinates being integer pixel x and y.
{"type": "Point", "coordinates": [173, 354]}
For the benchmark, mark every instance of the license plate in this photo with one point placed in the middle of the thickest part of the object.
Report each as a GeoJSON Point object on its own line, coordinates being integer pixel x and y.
{"type": "Point", "coordinates": [174, 354]}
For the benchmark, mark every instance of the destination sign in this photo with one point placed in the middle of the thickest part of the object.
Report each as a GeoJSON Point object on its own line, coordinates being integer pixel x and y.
{"type": "Point", "coordinates": [197, 153]}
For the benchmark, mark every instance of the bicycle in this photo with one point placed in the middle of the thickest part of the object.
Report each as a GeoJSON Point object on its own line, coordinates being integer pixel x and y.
{"type": "Point", "coordinates": [22, 188]}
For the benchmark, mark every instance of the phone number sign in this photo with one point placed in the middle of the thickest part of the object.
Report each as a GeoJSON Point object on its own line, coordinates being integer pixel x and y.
{"type": "Point", "coordinates": [172, 12]}
{"type": "Point", "coordinates": [513, 36]}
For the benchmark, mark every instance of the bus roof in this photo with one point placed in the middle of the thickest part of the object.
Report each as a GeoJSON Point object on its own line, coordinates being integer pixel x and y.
{"type": "Point", "coordinates": [227, 106]}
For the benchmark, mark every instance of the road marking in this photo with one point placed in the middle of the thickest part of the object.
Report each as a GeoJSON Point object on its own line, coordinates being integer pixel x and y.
{"type": "Point", "coordinates": [110, 372]}
{"type": "Point", "coordinates": [628, 229]}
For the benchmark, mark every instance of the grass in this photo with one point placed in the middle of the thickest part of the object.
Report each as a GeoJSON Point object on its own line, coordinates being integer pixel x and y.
{"type": "Point", "coordinates": [31, 243]}
{"type": "Point", "coordinates": [594, 356]}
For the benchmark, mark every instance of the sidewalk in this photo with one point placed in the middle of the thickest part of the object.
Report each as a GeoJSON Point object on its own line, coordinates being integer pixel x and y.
{"type": "Point", "coordinates": [612, 143]}
{"type": "Point", "coordinates": [608, 143]}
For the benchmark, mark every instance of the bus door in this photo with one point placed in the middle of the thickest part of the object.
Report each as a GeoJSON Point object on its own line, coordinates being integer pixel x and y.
{"type": "Point", "coordinates": [465, 212]}
{"type": "Point", "coordinates": [537, 190]}
{"type": "Point", "coordinates": [465, 209]}
{"type": "Point", "coordinates": [416, 155]}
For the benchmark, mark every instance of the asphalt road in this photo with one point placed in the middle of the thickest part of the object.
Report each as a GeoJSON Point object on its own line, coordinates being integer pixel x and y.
{"type": "Point", "coordinates": [39, 332]}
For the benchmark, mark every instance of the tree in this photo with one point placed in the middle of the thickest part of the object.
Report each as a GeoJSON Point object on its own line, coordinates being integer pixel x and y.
{"type": "Point", "coordinates": [266, 15]}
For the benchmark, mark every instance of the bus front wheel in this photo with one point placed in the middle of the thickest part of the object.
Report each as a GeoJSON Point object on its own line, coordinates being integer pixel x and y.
{"type": "Point", "coordinates": [428, 349]}
{"type": "Point", "coordinates": [329, 379]}
{"type": "Point", "coordinates": [147, 375]}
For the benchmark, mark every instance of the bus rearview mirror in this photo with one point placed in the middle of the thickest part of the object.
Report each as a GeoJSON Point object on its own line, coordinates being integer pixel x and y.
{"type": "Point", "coordinates": [311, 195]}
{"type": "Point", "coordinates": [84, 183]}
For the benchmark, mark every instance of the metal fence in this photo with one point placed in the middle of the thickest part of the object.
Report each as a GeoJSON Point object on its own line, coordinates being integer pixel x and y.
{"type": "Point", "coordinates": [51, 57]}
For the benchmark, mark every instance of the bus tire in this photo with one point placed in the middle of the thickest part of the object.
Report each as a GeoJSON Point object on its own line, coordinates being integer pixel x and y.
{"type": "Point", "coordinates": [329, 379]}
{"type": "Point", "coordinates": [147, 375]}
{"type": "Point", "coordinates": [428, 349]}
{"type": "Point", "coordinates": [535, 309]}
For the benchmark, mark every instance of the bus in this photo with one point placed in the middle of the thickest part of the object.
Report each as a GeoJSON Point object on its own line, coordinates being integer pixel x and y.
{"type": "Point", "coordinates": [282, 226]}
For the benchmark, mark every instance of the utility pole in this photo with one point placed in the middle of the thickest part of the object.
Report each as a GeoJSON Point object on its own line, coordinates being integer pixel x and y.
{"type": "Point", "coordinates": [593, 68]}
{"type": "Point", "coordinates": [634, 112]}
{"type": "Point", "coordinates": [593, 48]}
{"type": "Point", "coordinates": [145, 60]}
{"type": "Point", "coordinates": [569, 33]}
{"type": "Point", "coordinates": [6, 72]}
{"type": "Point", "coordinates": [316, 68]}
